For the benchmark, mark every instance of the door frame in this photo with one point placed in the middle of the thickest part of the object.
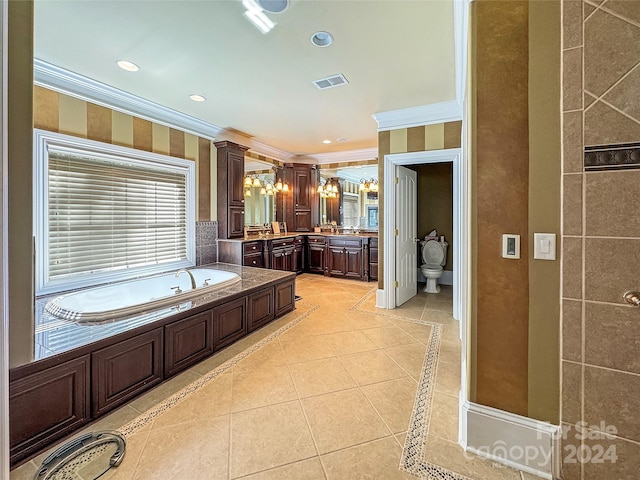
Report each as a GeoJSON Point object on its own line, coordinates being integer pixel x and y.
{"type": "Point", "coordinates": [4, 311]}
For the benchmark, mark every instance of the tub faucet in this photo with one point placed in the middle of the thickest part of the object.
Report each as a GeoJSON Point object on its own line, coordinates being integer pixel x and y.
{"type": "Point", "coordinates": [193, 280]}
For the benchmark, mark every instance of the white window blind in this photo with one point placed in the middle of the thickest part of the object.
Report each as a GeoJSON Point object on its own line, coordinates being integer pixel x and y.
{"type": "Point", "coordinates": [106, 217]}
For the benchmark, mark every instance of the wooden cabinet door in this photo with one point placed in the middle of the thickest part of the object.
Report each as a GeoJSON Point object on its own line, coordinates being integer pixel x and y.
{"type": "Point", "coordinates": [236, 222]}
{"type": "Point", "coordinates": [235, 178]}
{"type": "Point", "coordinates": [229, 323]}
{"type": "Point", "coordinates": [47, 405]}
{"type": "Point", "coordinates": [260, 308]}
{"type": "Point", "coordinates": [353, 263]}
{"type": "Point", "coordinates": [297, 263]}
{"type": "Point", "coordinates": [316, 258]}
{"type": "Point", "coordinates": [285, 297]}
{"type": "Point", "coordinates": [303, 221]}
{"type": "Point", "coordinates": [122, 371]}
{"type": "Point", "coordinates": [278, 260]}
{"type": "Point", "coordinates": [336, 259]}
{"type": "Point", "coordinates": [302, 188]}
{"type": "Point", "coordinates": [187, 342]}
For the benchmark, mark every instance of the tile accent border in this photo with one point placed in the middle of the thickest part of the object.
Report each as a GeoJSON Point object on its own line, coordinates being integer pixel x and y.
{"type": "Point", "coordinates": [148, 416]}
{"type": "Point", "coordinates": [612, 157]}
{"type": "Point", "coordinates": [413, 459]}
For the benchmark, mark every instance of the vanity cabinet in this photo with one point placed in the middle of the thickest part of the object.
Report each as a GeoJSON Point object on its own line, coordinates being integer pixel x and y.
{"type": "Point", "coordinates": [283, 254]}
{"type": "Point", "coordinates": [229, 323]}
{"type": "Point", "coordinates": [316, 248]}
{"type": "Point", "coordinates": [300, 209]}
{"type": "Point", "coordinates": [345, 258]}
{"type": "Point", "coordinates": [186, 342]}
{"type": "Point", "coordinates": [230, 196]}
{"type": "Point", "coordinates": [260, 308]}
{"type": "Point", "coordinates": [252, 255]}
{"type": "Point", "coordinates": [124, 370]}
{"type": "Point", "coordinates": [373, 258]}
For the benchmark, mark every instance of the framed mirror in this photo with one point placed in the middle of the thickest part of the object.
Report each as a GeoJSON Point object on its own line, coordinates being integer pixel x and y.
{"type": "Point", "coordinates": [348, 197]}
{"type": "Point", "coordinates": [259, 193]}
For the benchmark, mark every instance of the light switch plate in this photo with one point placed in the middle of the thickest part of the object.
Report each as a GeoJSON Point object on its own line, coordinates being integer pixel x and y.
{"type": "Point", "coordinates": [510, 245]}
{"type": "Point", "coordinates": [544, 246]}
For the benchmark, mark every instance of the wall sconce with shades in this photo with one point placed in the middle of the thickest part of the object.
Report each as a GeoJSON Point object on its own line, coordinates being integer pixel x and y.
{"type": "Point", "coordinates": [368, 185]}
{"type": "Point", "coordinates": [329, 189]}
{"type": "Point", "coordinates": [266, 187]}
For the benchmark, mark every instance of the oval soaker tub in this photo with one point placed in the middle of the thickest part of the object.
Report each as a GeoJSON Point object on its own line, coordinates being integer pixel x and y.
{"type": "Point", "coordinates": [125, 299]}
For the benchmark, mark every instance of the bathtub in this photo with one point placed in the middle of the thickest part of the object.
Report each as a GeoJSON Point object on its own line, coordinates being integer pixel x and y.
{"type": "Point", "coordinates": [126, 299]}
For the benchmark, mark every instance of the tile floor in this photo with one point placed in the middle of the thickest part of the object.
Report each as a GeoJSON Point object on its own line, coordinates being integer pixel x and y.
{"type": "Point", "coordinates": [329, 398]}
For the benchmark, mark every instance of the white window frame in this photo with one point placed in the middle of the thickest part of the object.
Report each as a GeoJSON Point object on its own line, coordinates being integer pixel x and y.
{"type": "Point", "coordinates": [43, 141]}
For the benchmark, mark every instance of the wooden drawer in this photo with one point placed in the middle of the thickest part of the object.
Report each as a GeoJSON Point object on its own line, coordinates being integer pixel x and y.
{"type": "Point", "coordinates": [251, 247]}
{"type": "Point", "coordinates": [260, 308]}
{"type": "Point", "coordinates": [282, 242]}
{"type": "Point", "coordinates": [187, 342]}
{"type": "Point", "coordinates": [124, 370]}
{"type": "Point", "coordinates": [319, 240]}
{"type": "Point", "coordinates": [229, 322]}
{"type": "Point", "coordinates": [298, 240]}
{"type": "Point", "coordinates": [254, 260]}
{"type": "Point", "coordinates": [345, 242]}
{"type": "Point", "coordinates": [373, 242]}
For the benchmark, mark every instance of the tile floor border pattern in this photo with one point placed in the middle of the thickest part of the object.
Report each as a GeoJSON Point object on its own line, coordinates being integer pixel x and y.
{"type": "Point", "coordinates": [413, 453]}
{"type": "Point", "coordinates": [148, 416]}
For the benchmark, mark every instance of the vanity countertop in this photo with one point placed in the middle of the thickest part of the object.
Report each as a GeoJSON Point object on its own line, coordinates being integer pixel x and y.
{"type": "Point", "coordinates": [253, 238]}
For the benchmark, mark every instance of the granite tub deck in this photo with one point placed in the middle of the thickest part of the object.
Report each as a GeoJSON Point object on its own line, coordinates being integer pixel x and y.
{"type": "Point", "coordinates": [83, 371]}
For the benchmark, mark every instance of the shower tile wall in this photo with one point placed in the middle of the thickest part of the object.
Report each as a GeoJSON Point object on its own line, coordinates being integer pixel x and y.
{"type": "Point", "coordinates": [601, 241]}
{"type": "Point", "coordinates": [206, 242]}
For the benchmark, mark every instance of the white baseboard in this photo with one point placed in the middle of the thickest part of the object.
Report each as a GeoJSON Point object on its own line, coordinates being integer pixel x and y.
{"type": "Point", "coordinates": [512, 440]}
{"type": "Point", "coordinates": [445, 279]}
{"type": "Point", "coordinates": [380, 299]}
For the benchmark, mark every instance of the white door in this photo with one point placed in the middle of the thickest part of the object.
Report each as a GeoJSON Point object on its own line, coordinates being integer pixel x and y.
{"type": "Point", "coordinates": [406, 224]}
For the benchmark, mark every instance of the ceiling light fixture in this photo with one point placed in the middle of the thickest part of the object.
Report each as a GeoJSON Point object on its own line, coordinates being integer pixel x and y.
{"type": "Point", "coordinates": [197, 98]}
{"type": "Point", "coordinates": [128, 66]}
{"type": "Point", "coordinates": [255, 13]}
{"type": "Point", "coordinates": [322, 39]}
{"type": "Point", "coordinates": [343, 140]}
{"type": "Point", "coordinates": [326, 142]}
{"type": "Point", "coordinates": [273, 6]}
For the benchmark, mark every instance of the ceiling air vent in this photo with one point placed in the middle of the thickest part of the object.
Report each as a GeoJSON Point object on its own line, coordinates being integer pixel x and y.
{"type": "Point", "coordinates": [332, 81]}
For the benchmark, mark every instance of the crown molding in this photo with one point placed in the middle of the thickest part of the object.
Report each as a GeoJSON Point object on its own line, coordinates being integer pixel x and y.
{"type": "Point", "coordinates": [346, 156]}
{"type": "Point", "coordinates": [421, 115]}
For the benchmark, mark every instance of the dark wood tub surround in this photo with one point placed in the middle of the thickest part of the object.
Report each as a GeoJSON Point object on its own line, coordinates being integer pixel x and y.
{"type": "Point", "coordinates": [56, 395]}
{"type": "Point", "coordinates": [333, 255]}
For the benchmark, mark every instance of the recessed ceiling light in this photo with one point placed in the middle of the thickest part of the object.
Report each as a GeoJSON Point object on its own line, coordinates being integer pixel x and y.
{"type": "Point", "coordinates": [342, 140]}
{"type": "Point", "coordinates": [322, 39]}
{"type": "Point", "coordinates": [128, 66]}
{"type": "Point", "coordinates": [197, 98]}
{"type": "Point", "coordinates": [326, 142]}
{"type": "Point", "coordinates": [273, 6]}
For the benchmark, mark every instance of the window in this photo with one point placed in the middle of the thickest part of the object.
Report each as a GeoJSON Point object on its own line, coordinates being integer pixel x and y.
{"type": "Point", "coordinates": [105, 213]}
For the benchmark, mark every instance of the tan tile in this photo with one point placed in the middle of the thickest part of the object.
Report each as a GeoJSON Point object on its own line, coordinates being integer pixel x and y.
{"type": "Point", "coordinates": [422, 333]}
{"type": "Point", "coordinates": [572, 267]}
{"type": "Point", "coordinates": [388, 336]}
{"type": "Point", "coordinates": [606, 38]}
{"type": "Point", "coordinates": [269, 437]}
{"type": "Point", "coordinates": [371, 367]}
{"type": "Point", "coordinates": [344, 343]}
{"type": "Point", "coordinates": [620, 460]}
{"type": "Point", "coordinates": [393, 400]}
{"type": "Point", "coordinates": [262, 387]}
{"type": "Point", "coordinates": [25, 471]}
{"type": "Point", "coordinates": [451, 333]}
{"type": "Point", "coordinates": [270, 355]}
{"type": "Point", "coordinates": [451, 456]}
{"type": "Point", "coordinates": [342, 419]}
{"type": "Point", "coordinates": [215, 360]}
{"type": "Point", "coordinates": [310, 469]}
{"type": "Point", "coordinates": [448, 378]}
{"type": "Point", "coordinates": [378, 459]}
{"type": "Point", "coordinates": [444, 417]}
{"type": "Point", "coordinates": [588, 99]}
{"type": "Point", "coordinates": [361, 320]}
{"type": "Point", "coordinates": [186, 452]}
{"type": "Point", "coordinates": [609, 268]}
{"type": "Point", "coordinates": [571, 392]}
{"type": "Point", "coordinates": [572, 79]}
{"type": "Point", "coordinates": [628, 10]}
{"type": "Point", "coordinates": [303, 349]}
{"type": "Point", "coordinates": [440, 306]}
{"type": "Point", "coordinates": [612, 337]}
{"type": "Point", "coordinates": [438, 316]}
{"type": "Point", "coordinates": [450, 352]}
{"type": "Point", "coordinates": [573, 146]}
{"type": "Point", "coordinates": [571, 23]}
{"type": "Point", "coordinates": [136, 443]}
{"type": "Point", "coordinates": [603, 125]}
{"type": "Point", "coordinates": [165, 390]}
{"type": "Point", "coordinates": [572, 330]}
{"type": "Point", "coordinates": [409, 357]}
{"type": "Point", "coordinates": [612, 397]}
{"type": "Point", "coordinates": [212, 400]}
{"type": "Point", "coordinates": [320, 376]}
{"type": "Point", "coordinates": [606, 194]}
{"type": "Point", "coordinates": [623, 97]}
{"type": "Point", "coordinates": [570, 444]}
{"type": "Point", "coordinates": [572, 204]}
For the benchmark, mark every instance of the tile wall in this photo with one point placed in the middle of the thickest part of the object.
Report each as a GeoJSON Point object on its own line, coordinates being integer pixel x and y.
{"type": "Point", "coordinates": [206, 244]}
{"type": "Point", "coordinates": [601, 241]}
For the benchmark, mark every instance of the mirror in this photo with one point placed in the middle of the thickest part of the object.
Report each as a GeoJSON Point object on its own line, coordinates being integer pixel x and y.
{"type": "Point", "coordinates": [259, 196]}
{"type": "Point", "coordinates": [349, 197]}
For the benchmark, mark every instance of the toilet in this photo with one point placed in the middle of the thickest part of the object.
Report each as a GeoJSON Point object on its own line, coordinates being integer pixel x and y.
{"type": "Point", "coordinates": [434, 256]}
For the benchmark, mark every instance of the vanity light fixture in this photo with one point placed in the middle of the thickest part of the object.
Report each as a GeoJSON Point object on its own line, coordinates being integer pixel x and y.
{"type": "Point", "coordinates": [247, 192]}
{"type": "Point", "coordinates": [368, 185]}
{"type": "Point", "coordinates": [197, 98]}
{"type": "Point", "coordinates": [329, 189]}
{"type": "Point", "coordinates": [127, 65]}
